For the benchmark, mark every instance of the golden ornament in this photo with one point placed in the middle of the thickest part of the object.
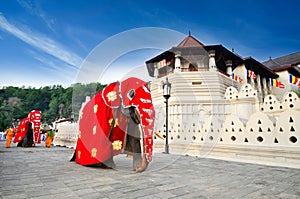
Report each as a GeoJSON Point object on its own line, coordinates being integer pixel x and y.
{"type": "Point", "coordinates": [117, 145]}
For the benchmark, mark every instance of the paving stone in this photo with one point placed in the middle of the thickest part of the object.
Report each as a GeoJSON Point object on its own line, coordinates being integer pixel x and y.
{"type": "Point", "coordinates": [42, 173]}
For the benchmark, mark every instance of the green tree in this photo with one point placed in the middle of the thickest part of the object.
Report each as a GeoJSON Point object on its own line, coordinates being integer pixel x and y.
{"type": "Point", "coordinates": [53, 101]}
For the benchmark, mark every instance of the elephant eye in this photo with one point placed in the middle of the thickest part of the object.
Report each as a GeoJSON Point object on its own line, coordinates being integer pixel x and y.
{"type": "Point", "coordinates": [131, 94]}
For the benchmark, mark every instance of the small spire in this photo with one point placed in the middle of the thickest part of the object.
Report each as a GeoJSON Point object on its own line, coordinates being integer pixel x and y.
{"type": "Point", "coordinates": [189, 33]}
{"type": "Point", "coordinates": [232, 50]}
{"type": "Point", "coordinates": [270, 58]}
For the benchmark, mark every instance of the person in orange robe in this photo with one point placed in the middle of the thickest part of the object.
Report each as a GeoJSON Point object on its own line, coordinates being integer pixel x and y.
{"type": "Point", "coordinates": [49, 138]}
{"type": "Point", "coordinates": [10, 132]}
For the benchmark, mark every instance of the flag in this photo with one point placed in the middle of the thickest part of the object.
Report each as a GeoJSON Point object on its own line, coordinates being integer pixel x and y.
{"type": "Point", "coordinates": [276, 83]}
{"type": "Point", "coordinates": [281, 85]}
{"type": "Point", "coordinates": [273, 82]}
{"type": "Point", "coordinates": [293, 79]}
{"type": "Point", "coordinates": [236, 78]}
{"type": "Point", "coordinates": [251, 74]}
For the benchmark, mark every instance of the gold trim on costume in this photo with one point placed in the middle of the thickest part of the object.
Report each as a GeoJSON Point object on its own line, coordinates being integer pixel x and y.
{"type": "Point", "coordinates": [117, 145]}
{"type": "Point", "coordinates": [94, 130]}
{"type": "Point", "coordinates": [95, 108]}
{"type": "Point", "coordinates": [111, 96]}
{"type": "Point", "coordinates": [94, 152]}
{"type": "Point", "coordinates": [116, 122]}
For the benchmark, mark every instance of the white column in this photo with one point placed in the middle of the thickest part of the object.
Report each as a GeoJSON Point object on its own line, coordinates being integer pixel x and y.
{"type": "Point", "coordinates": [252, 82]}
{"type": "Point", "coordinates": [177, 63]}
{"type": "Point", "coordinates": [212, 61]}
{"type": "Point", "coordinates": [229, 67]}
{"type": "Point", "coordinates": [155, 71]}
{"type": "Point", "coordinates": [259, 88]}
{"type": "Point", "coordinates": [265, 89]}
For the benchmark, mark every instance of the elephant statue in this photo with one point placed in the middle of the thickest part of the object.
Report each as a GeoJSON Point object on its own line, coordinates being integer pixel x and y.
{"type": "Point", "coordinates": [118, 119]}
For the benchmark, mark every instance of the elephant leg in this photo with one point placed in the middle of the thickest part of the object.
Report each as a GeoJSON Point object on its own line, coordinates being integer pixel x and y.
{"type": "Point", "coordinates": [73, 158]}
{"type": "Point", "coordinates": [109, 164]}
{"type": "Point", "coordinates": [140, 162]}
{"type": "Point", "coordinates": [24, 141]}
{"type": "Point", "coordinates": [143, 166]}
{"type": "Point", "coordinates": [20, 143]}
{"type": "Point", "coordinates": [136, 150]}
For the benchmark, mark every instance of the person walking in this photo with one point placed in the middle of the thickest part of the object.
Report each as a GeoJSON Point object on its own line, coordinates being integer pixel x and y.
{"type": "Point", "coordinates": [10, 132]}
{"type": "Point", "coordinates": [49, 138]}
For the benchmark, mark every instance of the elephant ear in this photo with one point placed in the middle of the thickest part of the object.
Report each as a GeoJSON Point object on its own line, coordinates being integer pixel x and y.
{"type": "Point", "coordinates": [135, 92]}
{"type": "Point", "coordinates": [22, 130]}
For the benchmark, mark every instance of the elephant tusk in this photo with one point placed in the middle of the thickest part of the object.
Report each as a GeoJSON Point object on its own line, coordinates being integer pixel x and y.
{"type": "Point", "coordinates": [159, 135]}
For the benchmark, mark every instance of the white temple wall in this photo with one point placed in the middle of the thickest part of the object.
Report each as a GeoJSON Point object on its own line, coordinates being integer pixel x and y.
{"type": "Point", "coordinates": [274, 107]}
{"type": "Point", "coordinates": [243, 103]}
{"type": "Point", "coordinates": [233, 131]}
{"type": "Point", "coordinates": [264, 133]}
{"type": "Point", "coordinates": [260, 129]}
{"type": "Point", "coordinates": [287, 128]}
{"type": "Point", "coordinates": [291, 101]}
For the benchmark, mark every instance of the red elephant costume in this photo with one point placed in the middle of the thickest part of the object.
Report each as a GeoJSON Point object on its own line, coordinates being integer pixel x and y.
{"type": "Point", "coordinates": [34, 117]}
{"type": "Point", "coordinates": [22, 130]}
{"type": "Point", "coordinates": [102, 125]}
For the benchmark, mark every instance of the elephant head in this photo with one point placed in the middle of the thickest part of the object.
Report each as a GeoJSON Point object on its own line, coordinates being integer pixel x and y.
{"type": "Point", "coordinates": [117, 119]}
{"type": "Point", "coordinates": [136, 96]}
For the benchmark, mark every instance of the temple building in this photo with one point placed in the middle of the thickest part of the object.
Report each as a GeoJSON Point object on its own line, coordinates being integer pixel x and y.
{"type": "Point", "coordinates": [224, 104]}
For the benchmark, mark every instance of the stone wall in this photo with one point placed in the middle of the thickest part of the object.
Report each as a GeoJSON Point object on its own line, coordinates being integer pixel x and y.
{"type": "Point", "coordinates": [249, 131]}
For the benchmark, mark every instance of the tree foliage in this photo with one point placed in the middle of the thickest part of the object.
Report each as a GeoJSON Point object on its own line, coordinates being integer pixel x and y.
{"type": "Point", "coordinates": [54, 102]}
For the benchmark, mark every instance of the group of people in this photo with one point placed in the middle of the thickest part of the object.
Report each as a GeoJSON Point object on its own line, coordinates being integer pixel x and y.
{"type": "Point", "coordinates": [24, 136]}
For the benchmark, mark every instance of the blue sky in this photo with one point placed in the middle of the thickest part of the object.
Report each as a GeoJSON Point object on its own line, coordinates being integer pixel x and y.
{"type": "Point", "coordinates": [45, 42]}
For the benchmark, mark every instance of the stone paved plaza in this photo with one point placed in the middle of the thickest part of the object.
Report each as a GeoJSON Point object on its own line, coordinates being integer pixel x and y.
{"type": "Point", "coordinates": [47, 173]}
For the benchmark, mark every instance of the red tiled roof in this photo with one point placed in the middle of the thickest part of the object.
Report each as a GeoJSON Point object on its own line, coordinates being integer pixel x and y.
{"type": "Point", "coordinates": [190, 41]}
{"type": "Point", "coordinates": [282, 68]}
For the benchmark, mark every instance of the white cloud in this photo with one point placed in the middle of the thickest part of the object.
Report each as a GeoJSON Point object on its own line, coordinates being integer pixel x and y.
{"type": "Point", "coordinates": [33, 8]}
{"type": "Point", "coordinates": [42, 42]}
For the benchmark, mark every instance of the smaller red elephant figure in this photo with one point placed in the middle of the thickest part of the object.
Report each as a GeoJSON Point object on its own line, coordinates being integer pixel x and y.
{"type": "Point", "coordinates": [28, 133]}
{"type": "Point", "coordinates": [118, 119]}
